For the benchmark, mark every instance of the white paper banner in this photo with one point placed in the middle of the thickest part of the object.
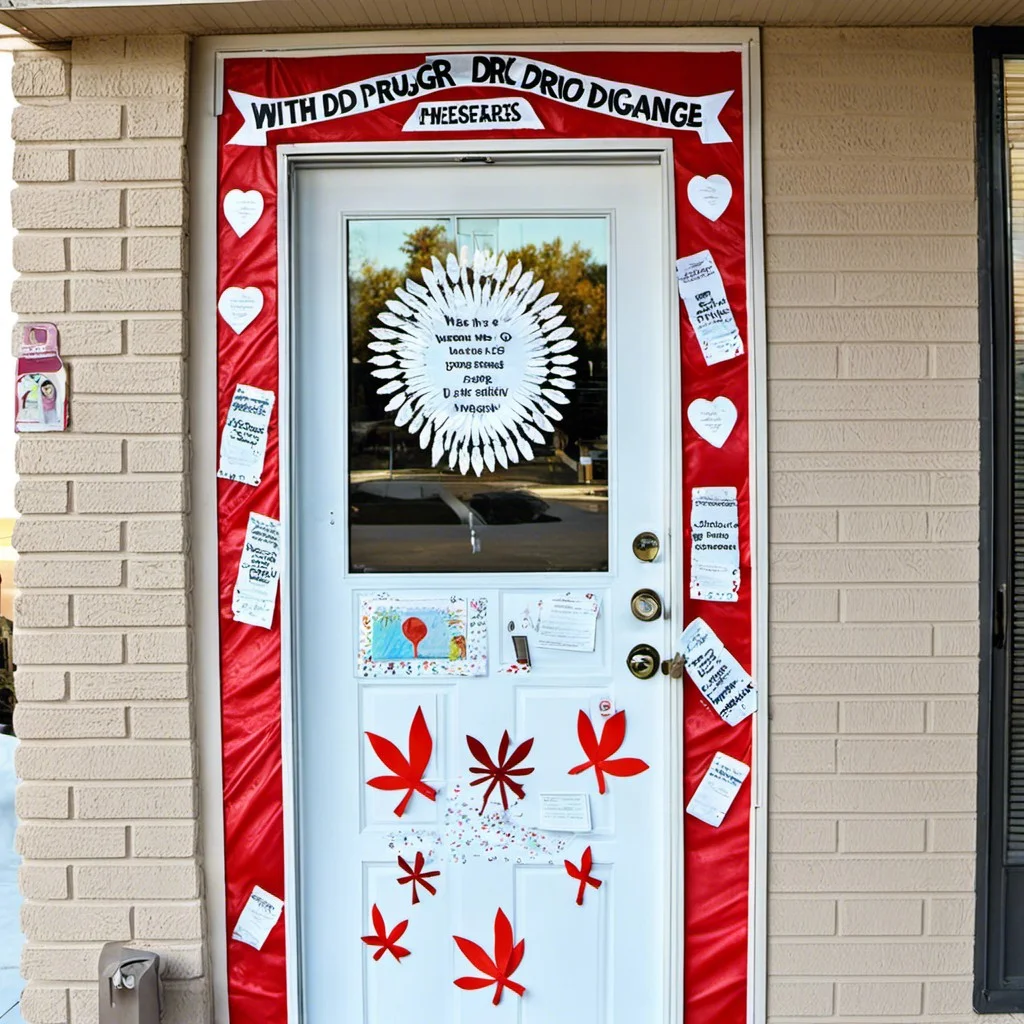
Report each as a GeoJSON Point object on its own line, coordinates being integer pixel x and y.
{"type": "Point", "coordinates": [258, 569]}
{"type": "Point", "coordinates": [475, 360]}
{"type": "Point", "coordinates": [718, 675]}
{"type": "Point", "coordinates": [474, 115]}
{"type": "Point", "coordinates": [703, 294]}
{"type": "Point", "coordinates": [717, 790]}
{"type": "Point", "coordinates": [714, 544]}
{"type": "Point", "coordinates": [700, 114]}
{"type": "Point", "coordinates": [243, 445]}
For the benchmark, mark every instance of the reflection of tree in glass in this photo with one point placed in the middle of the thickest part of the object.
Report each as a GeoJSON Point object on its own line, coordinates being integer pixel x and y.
{"type": "Point", "coordinates": [581, 283]}
{"type": "Point", "coordinates": [372, 286]}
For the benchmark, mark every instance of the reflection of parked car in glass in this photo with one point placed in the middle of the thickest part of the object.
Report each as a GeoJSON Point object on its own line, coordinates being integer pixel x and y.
{"type": "Point", "coordinates": [505, 508]}
{"type": "Point", "coordinates": [422, 526]}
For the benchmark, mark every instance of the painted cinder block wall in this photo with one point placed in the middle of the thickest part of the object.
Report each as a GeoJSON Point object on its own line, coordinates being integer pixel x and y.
{"type": "Point", "coordinates": [873, 362]}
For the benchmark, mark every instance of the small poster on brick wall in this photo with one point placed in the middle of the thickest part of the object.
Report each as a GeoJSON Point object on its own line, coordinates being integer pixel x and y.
{"type": "Point", "coordinates": [41, 388]}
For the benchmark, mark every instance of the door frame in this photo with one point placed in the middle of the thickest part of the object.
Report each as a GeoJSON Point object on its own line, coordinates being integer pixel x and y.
{"type": "Point", "coordinates": [525, 153]}
{"type": "Point", "coordinates": [205, 105]}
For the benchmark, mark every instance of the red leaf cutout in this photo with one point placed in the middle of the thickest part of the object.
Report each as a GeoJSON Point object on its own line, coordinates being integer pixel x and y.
{"type": "Point", "coordinates": [516, 958]}
{"type": "Point", "coordinates": [408, 774]}
{"type": "Point", "coordinates": [599, 751]}
{"type": "Point", "coordinates": [417, 876]}
{"type": "Point", "coordinates": [421, 745]}
{"type": "Point", "coordinates": [475, 955]}
{"type": "Point", "coordinates": [625, 766]}
{"type": "Point", "coordinates": [500, 774]}
{"type": "Point", "coordinates": [613, 734]}
{"type": "Point", "coordinates": [473, 983]}
{"type": "Point", "coordinates": [507, 959]}
{"type": "Point", "coordinates": [385, 940]}
{"type": "Point", "coordinates": [582, 874]}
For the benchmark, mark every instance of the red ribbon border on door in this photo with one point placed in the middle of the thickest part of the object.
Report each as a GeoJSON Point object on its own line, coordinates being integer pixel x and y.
{"type": "Point", "coordinates": [716, 860]}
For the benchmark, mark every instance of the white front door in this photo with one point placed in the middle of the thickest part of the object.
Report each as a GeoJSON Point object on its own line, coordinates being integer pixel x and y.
{"type": "Point", "coordinates": [431, 558]}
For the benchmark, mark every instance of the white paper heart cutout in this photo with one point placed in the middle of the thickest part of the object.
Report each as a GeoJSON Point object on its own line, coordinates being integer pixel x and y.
{"type": "Point", "coordinates": [243, 209]}
{"type": "Point", "coordinates": [240, 306]}
{"type": "Point", "coordinates": [713, 420]}
{"type": "Point", "coordinates": [709, 196]}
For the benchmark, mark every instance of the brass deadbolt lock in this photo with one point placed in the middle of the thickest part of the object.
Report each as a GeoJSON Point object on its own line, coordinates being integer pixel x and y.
{"type": "Point", "coordinates": [643, 661]}
{"type": "Point", "coordinates": [645, 605]}
{"type": "Point", "coordinates": [646, 546]}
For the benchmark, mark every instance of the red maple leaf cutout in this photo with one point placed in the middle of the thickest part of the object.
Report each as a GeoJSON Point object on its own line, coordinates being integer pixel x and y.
{"type": "Point", "coordinates": [408, 774]}
{"type": "Point", "coordinates": [599, 751]}
{"type": "Point", "coordinates": [582, 874]}
{"type": "Point", "coordinates": [385, 939]}
{"type": "Point", "coordinates": [417, 875]}
{"type": "Point", "coordinates": [501, 773]}
{"type": "Point", "coordinates": [507, 957]}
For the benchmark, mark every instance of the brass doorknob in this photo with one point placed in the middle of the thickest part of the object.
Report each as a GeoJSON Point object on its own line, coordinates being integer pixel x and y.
{"type": "Point", "coordinates": [643, 661]}
{"type": "Point", "coordinates": [645, 605]}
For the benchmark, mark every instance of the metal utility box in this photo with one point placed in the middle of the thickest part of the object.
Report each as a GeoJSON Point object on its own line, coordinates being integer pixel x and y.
{"type": "Point", "coordinates": [129, 985]}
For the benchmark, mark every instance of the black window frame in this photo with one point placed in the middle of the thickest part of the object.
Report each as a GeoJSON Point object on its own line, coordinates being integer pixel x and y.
{"type": "Point", "coordinates": [994, 991]}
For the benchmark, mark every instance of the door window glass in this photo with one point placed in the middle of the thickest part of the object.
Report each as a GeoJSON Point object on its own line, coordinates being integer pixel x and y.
{"type": "Point", "coordinates": [546, 512]}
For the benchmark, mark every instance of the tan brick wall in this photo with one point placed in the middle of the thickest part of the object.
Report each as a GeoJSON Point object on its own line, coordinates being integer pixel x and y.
{"type": "Point", "coordinates": [108, 802]}
{"type": "Point", "coordinates": [873, 398]}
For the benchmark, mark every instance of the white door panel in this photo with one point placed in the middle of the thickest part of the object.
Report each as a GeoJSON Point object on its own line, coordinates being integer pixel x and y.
{"type": "Point", "coordinates": [373, 520]}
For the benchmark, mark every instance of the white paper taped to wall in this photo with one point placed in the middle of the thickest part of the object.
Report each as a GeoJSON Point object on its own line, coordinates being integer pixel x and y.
{"type": "Point", "coordinates": [717, 790]}
{"type": "Point", "coordinates": [243, 445]}
{"type": "Point", "coordinates": [258, 917]}
{"type": "Point", "coordinates": [718, 675]}
{"type": "Point", "coordinates": [258, 570]}
{"type": "Point", "coordinates": [714, 544]}
{"type": "Point", "coordinates": [703, 293]}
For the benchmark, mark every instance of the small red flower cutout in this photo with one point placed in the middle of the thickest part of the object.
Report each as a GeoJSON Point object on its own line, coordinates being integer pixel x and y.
{"type": "Point", "coordinates": [508, 955]}
{"type": "Point", "coordinates": [417, 876]}
{"type": "Point", "coordinates": [387, 941]}
{"type": "Point", "coordinates": [408, 773]}
{"type": "Point", "coordinates": [582, 874]}
{"type": "Point", "coordinates": [600, 751]}
{"type": "Point", "coordinates": [500, 774]}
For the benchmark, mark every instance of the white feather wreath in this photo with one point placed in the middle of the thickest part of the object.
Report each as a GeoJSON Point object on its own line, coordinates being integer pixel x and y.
{"type": "Point", "coordinates": [475, 360]}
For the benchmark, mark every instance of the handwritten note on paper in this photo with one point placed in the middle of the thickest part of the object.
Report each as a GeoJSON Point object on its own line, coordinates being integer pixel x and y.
{"type": "Point", "coordinates": [564, 812]}
{"type": "Point", "coordinates": [718, 675]}
{"type": "Point", "coordinates": [243, 445]}
{"type": "Point", "coordinates": [714, 544]}
{"type": "Point", "coordinates": [256, 586]}
{"type": "Point", "coordinates": [717, 790]}
{"type": "Point", "coordinates": [568, 622]}
{"type": "Point", "coordinates": [703, 293]}
{"type": "Point", "coordinates": [258, 917]}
